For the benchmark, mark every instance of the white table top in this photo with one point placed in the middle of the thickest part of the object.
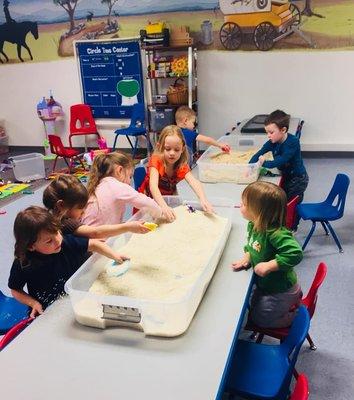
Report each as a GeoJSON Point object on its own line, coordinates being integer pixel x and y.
{"type": "Point", "coordinates": [56, 358]}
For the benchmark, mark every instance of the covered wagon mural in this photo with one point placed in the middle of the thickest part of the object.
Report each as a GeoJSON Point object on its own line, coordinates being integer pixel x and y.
{"type": "Point", "coordinates": [44, 30]}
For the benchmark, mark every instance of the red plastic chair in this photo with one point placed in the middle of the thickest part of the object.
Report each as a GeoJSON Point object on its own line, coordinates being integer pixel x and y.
{"type": "Point", "coordinates": [291, 212]}
{"type": "Point", "coordinates": [82, 122]}
{"type": "Point", "coordinates": [14, 331]}
{"type": "Point", "coordinates": [57, 148]}
{"type": "Point", "coordinates": [309, 302]}
{"type": "Point", "coordinates": [301, 391]}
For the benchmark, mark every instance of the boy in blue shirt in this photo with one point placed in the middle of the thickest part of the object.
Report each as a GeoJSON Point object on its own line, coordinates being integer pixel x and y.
{"type": "Point", "coordinates": [185, 119]}
{"type": "Point", "coordinates": [286, 153]}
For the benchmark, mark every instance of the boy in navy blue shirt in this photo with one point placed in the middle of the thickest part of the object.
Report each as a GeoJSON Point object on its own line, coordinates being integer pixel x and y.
{"type": "Point", "coordinates": [185, 119]}
{"type": "Point", "coordinates": [45, 260]}
{"type": "Point", "coordinates": [286, 154]}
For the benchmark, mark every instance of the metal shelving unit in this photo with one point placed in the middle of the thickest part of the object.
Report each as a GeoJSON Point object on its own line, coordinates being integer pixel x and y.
{"type": "Point", "coordinates": [158, 85]}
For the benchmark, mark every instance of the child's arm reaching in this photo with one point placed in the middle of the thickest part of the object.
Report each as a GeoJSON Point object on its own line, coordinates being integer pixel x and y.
{"type": "Point", "coordinates": [212, 142]}
{"type": "Point", "coordinates": [25, 298]}
{"type": "Point", "coordinates": [243, 263]}
{"type": "Point", "coordinates": [157, 196]}
{"type": "Point", "coordinates": [198, 189]}
{"type": "Point", "coordinates": [102, 248]}
{"type": "Point", "coordinates": [104, 231]}
{"type": "Point", "coordinates": [263, 150]}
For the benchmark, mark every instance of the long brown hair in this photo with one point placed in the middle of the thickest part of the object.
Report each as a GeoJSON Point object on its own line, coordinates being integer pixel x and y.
{"type": "Point", "coordinates": [267, 203]}
{"type": "Point", "coordinates": [27, 227]}
{"type": "Point", "coordinates": [67, 188]}
{"type": "Point", "coordinates": [103, 166]}
{"type": "Point", "coordinates": [172, 130]}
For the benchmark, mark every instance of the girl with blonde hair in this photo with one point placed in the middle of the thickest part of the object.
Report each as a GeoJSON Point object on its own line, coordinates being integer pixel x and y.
{"type": "Point", "coordinates": [167, 166]}
{"type": "Point", "coordinates": [110, 192]}
{"type": "Point", "coordinates": [272, 252]}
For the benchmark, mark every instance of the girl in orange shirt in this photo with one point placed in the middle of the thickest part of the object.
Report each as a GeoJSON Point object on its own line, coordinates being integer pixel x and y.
{"type": "Point", "coordinates": [167, 166]}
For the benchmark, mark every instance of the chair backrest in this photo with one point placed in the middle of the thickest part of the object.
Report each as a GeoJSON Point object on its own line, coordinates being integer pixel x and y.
{"type": "Point", "coordinates": [291, 211]}
{"type": "Point", "coordinates": [139, 174]}
{"type": "Point", "coordinates": [56, 145]}
{"type": "Point", "coordinates": [338, 193]}
{"type": "Point", "coordinates": [81, 120]}
{"type": "Point", "coordinates": [297, 334]}
{"type": "Point", "coordinates": [310, 300]}
{"type": "Point", "coordinates": [301, 391]}
{"type": "Point", "coordinates": [290, 347]}
{"type": "Point", "coordinates": [11, 312]}
{"type": "Point", "coordinates": [14, 331]}
{"type": "Point", "coordinates": [138, 116]}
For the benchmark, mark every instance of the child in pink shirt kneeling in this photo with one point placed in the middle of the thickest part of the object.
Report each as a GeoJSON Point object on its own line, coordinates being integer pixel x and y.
{"type": "Point", "coordinates": [110, 191]}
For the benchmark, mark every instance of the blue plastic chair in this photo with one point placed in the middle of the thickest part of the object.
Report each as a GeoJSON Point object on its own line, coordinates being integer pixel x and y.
{"type": "Point", "coordinates": [139, 173]}
{"type": "Point", "coordinates": [136, 128]}
{"type": "Point", "coordinates": [11, 312]}
{"type": "Point", "coordinates": [261, 371]}
{"type": "Point", "coordinates": [329, 210]}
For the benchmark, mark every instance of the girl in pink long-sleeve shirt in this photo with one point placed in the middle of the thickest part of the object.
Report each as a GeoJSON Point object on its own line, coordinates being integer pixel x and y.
{"type": "Point", "coordinates": [110, 191]}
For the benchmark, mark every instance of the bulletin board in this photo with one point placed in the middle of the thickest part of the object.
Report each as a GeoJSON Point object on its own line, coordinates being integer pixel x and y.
{"type": "Point", "coordinates": [110, 73]}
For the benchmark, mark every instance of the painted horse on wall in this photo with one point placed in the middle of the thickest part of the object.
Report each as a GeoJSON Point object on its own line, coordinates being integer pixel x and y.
{"type": "Point", "coordinates": [16, 32]}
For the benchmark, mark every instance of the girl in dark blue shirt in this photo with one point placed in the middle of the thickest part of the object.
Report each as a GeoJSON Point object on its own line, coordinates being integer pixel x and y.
{"type": "Point", "coordinates": [45, 260]}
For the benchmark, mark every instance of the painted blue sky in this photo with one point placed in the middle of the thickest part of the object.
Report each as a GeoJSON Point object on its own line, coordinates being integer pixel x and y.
{"type": "Point", "coordinates": [45, 11]}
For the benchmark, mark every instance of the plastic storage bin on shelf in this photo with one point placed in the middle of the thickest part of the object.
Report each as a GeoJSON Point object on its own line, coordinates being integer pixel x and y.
{"type": "Point", "coordinates": [28, 167]}
{"type": "Point", "coordinates": [154, 317]}
{"type": "Point", "coordinates": [211, 172]}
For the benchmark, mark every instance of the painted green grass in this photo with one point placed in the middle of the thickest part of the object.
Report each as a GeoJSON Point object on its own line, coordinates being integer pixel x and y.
{"type": "Point", "coordinates": [338, 21]}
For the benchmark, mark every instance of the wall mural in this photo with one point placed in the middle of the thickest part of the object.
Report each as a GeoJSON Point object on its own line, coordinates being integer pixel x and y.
{"type": "Point", "coordinates": [44, 30]}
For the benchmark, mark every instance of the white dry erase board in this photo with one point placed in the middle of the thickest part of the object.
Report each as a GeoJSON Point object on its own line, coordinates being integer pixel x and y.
{"type": "Point", "coordinates": [111, 77]}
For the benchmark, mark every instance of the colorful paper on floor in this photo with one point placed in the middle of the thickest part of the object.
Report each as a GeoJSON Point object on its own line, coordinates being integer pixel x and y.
{"type": "Point", "coordinates": [11, 188]}
{"type": "Point", "coordinates": [80, 174]}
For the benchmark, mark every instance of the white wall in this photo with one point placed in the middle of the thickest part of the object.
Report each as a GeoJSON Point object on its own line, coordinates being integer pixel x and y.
{"type": "Point", "coordinates": [316, 86]}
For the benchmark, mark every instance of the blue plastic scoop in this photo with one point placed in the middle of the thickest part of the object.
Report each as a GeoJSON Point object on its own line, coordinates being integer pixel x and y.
{"type": "Point", "coordinates": [119, 269]}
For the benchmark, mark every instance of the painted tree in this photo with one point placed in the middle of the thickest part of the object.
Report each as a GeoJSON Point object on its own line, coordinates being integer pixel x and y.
{"type": "Point", "coordinates": [69, 6]}
{"type": "Point", "coordinates": [110, 4]}
{"type": "Point", "coordinates": [308, 10]}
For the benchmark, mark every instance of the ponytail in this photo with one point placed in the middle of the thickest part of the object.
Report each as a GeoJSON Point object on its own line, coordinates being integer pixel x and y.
{"type": "Point", "coordinates": [103, 166]}
{"type": "Point", "coordinates": [67, 188]}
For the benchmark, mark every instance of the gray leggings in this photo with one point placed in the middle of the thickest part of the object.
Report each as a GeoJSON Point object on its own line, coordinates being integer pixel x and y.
{"type": "Point", "coordinates": [276, 310]}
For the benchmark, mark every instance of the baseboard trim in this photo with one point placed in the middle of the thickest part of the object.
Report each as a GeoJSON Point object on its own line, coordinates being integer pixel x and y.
{"type": "Point", "coordinates": [39, 149]}
{"type": "Point", "coordinates": [327, 154]}
{"type": "Point", "coordinates": [305, 154]}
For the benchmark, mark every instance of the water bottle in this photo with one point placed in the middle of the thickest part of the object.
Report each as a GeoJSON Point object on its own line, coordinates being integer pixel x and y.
{"type": "Point", "coordinates": [42, 109]}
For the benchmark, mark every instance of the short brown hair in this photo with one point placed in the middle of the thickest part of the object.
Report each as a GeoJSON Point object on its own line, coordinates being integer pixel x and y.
{"type": "Point", "coordinates": [27, 227]}
{"type": "Point", "coordinates": [267, 202]}
{"type": "Point", "coordinates": [279, 118]}
{"type": "Point", "coordinates": [67, 188]}
{"type": "Point", "coordinates": [184, 112]}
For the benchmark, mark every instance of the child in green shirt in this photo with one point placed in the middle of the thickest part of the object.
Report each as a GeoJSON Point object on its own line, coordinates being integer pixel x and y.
{"type": "Point", "coordinates": [272, 252]}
